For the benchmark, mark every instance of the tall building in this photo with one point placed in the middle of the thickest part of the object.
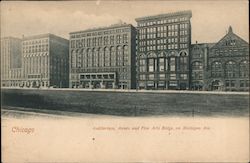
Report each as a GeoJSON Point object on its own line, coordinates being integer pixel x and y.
{"type": "Point", "coordinates": [103, 57]}
{"type": "Point", "coordinates": [11, 61]}
{"type": "Point", "coordinates": [228, 64]}
{"type": "Point", "coordinates": [163, 51]}
{"type": "Point", "coordinates": [45, 61]}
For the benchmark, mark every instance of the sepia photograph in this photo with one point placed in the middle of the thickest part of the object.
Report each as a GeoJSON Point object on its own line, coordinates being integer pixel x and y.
{"type": "Point", "coordinates": [125, 81]}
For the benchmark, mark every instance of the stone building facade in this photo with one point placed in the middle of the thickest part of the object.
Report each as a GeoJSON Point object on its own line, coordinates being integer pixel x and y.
{"type": "Point", "coordinates": [199, 65]}
{"type": "Point", "coordinates": [103, 57]}
{"type": "Point", "coordinates": [228, 64]}
{"type": "Point", "coordinates": [163, 51]}
{"type": "Point", "coordinates": [11, 62]}
{"type": "Point", "coordinates": [45, 61]}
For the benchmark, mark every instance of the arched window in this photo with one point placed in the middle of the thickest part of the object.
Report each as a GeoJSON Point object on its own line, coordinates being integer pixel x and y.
{"type": "Point", "coordinates": [119, 56]}
{"type": "Point", "coordinates": [183, 61]}
{"type": "Point", "coordinates": [230, 69]}
{"type": "Point", "coordinates": [113, 56]}
{"type": "Point", "coordinates": [197, 70]}
{"type": "Point", "coordinates": [96, 57]}
{"type": "Point", "coordinates": [79, 58]}
{"type": "Point", "coordinates": [106, 57]}
{"type": "Point", "coordinates": [244, 69]}
{"type": "Point", "coordinates": [84, 58]}
{"type": "Point", "coordinates": [90, 58]}
{"type": "Point", "coordinates": [101, 57]}
{"type": "Point", "coordinates": [216, 69]}
{"type": "Point", "coordinates": [73, 59]}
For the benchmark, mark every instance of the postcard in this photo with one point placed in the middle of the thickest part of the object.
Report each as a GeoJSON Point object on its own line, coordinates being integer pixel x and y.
{"type": "Point", "coordinates": [125, 81]}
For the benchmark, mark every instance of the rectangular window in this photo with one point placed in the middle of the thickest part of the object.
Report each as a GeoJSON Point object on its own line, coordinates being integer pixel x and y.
{"type": "Point", "coordinates": [172, 76]}
{"type": "Point", "coordinates": [151, 76]}
{"type": "Point", "coordinates": [151, 65]}
{"type": "Point", "coordinates": [233, 83]}
{"type": "Point", "coordinates": [242, 83]}
{"type": "Point", "coordinates": [161, 64]}
{"type": "Point", "coordinates": [162, 76]}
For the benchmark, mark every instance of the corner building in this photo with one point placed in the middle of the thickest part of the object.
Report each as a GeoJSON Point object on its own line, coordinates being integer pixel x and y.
{"type": "Point", "coordinates": [11, 62]}
{"type": "Point", "coordinates": [228, 64]}
{"type": "Point", "coordinates": [103, 57]}
{"type": "Point", "coordinates": [45, 61]}
{"type": "Point", "coordinates": [163, 51]}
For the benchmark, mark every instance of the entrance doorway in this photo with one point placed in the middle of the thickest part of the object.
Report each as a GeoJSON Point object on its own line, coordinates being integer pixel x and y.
{"type": "Point", "coordinates": [216, 85]}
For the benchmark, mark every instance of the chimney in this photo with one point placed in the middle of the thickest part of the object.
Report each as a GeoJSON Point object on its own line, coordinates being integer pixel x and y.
{"type": "Point", "coordinates": [196, 41]}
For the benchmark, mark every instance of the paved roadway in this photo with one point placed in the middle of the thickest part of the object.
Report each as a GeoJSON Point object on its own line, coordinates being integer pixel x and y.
{"type": "Point", "coordinates": [133, 90]}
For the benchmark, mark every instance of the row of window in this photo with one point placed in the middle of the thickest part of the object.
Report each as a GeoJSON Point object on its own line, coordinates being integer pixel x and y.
{"type": "Point", "coordinates": [99, 58]}
{"type": "Point", "coordinates": [36, 41]}
{"type": "Point", "coordinates": [163, 34]}
{"type": "Point", "coordinates": [232, 83]}
{"type": "Point", "coordinates": [162, 47]}
{"type": "Point", "coordinates": [230, 70]}
{"type": "Point", "coordinates": [162, 64]}
{"type": "Point", "coordinates": [36, 48]}
{"type": "Point", "coordinates": [163, 21]}
{"type": "Point", "coordinates": [106, 32]}
{"type": "Point", "coordinates": [162, 76]}
{"type": "Point", "coordinates": [99, 41]}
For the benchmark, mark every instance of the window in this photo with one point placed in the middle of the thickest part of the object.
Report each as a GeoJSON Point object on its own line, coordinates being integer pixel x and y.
{"type": "Point", "coordinates": [161, 65]}
{"type": "Point", "coordinates": [183, 76]}
{"type": "Point", "coordinates": [151, 76]}
{"type": "Point", "coordinates": [151, 65]}
{"type": "Point", "coordinates": [125, 38]}
{"type": "Point", "coordinates": [96, 57]}
{"type": "Point", "coordinates": [106, 57]}
{"type": "Point", "coordinates": [101, 56]}
{"type": "Point", "coordinates": [118, 39]}
{"type": "Point", "coordinates": [142, 65]}
{"type": "Point", "coordinates": [172, 64]}
{"type": "Point", "coordinates": [244, 69]}
{"type": "Point", "coordinates": [172, 76]}
{"type": "Point", "coordinates": [197, 66]}
{"type": "Point", "coordinates": [113, 56]}
{"type": "Point", "coordinates": [183, 63]}
{"type": "Point", "coordinates": [119, 56]}
{"type": "Point", "coordinates": [142, 77]}
{"type": "Point", "coordinates": [242, 83]}
{"type": "Point", "coordinates": [230, 69]}
{"type": "Point", "coordinates": [73, 59]}
{"type": "Point", "coordinates": [216, 69]}
{"type": "Point", "coordinates": [162, 76]}
{"type": "Point", "coordinates": [125, 55]}
{"type": "Point", "coordinates": [89, 57]}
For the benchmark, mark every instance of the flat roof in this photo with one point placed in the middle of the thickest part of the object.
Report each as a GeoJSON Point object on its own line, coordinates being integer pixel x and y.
{"type": "Point", "coordinates": [185, 12]}
{"type": "Point", "coordinates": [103, 28]}
{"type": "Point", "coordinates": [43, 35]}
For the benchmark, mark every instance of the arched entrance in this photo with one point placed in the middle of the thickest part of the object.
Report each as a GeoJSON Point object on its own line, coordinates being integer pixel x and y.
{"type": "Point", "coordinates": [216, 85]}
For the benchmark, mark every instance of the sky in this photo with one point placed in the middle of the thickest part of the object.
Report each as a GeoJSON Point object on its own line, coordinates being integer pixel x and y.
{"type": "Point", "coordinates": [210, 20]}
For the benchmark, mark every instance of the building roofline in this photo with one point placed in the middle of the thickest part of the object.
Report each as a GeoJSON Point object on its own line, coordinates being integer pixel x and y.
{"type": "Point", "coordinates": [43, 35]}
{"type": "Point", "coordinates": [189, 12]}
{"type": "Point", "coordinates": [11, 37]}
{"type": "Point", "coordinates": [103, 28]}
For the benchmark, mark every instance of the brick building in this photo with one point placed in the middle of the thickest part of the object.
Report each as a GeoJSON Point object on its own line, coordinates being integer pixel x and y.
{"type": "Point", "coordinates": [163, 51]}
{"type": "Point", "coordinates": [228, 64]}
{"type": "Point", "coordinates": [45, 61]}
{"type": "Point", "coordinates": [11, 62]}
{"type": "Point", "coordinates": [199, 65]}
{"type": "Point", "coordinates": [103, 57]}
